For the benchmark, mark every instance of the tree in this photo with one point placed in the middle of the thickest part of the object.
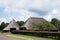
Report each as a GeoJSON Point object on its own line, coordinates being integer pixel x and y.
{"type": "Point", "coordinates": [43, 26]}
{"type": "Point", "coordinates": [38, 25]}
{"type": "Point", "coordinates": [20, 22]}
{"type": "Point", "coordinates": [6, 24]}
{"type": "Point", "coordinates": [3, 25]}
{"type": "Point", "coordinates": [54, 21]}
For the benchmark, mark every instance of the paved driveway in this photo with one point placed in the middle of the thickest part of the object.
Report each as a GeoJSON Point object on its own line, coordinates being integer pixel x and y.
{"type": "Point", "coordinates": [3, 37]}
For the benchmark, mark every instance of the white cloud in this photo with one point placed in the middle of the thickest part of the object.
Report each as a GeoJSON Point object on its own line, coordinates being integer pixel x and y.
{"type": "Point", "coordinates": [3, 20]}
{"type": "Point", "coordinates": [21, 8]}
{"type": "Point", "coordinates": [55, 13]}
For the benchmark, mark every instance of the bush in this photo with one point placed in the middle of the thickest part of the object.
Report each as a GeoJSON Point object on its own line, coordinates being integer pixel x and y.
{"type": "Point", "coordinates": [45, 34]}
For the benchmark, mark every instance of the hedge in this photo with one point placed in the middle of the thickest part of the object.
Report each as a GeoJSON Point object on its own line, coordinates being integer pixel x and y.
{"type": "Point", "coordinates": [55, 35]}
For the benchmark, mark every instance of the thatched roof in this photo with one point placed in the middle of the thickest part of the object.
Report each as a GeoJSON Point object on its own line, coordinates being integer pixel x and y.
{"type": "Point", "coordinates": [12, 24]}
{"type": "Point", "coordinates": [28, 24]}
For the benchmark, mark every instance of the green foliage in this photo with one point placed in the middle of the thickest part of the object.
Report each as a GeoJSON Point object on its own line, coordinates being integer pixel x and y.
{"type": "Point", "coordinates": [46, 34]}
{"type": "Point", "coordinates": [3, 25]}
{"type": "Point", "coordinates": [6, 24]}
{"type": "Point", "coordinates": [38, 25]}
{"type": "Point", "coordinates": [20, 22]}
{"type": "Point", "coordinates": [43, 26]}
{"type": "Point", "coordinates": [56, 22]}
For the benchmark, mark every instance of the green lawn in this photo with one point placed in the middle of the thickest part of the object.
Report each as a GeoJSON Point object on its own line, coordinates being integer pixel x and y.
{"type": "Point", "coordinates": [25, 37]}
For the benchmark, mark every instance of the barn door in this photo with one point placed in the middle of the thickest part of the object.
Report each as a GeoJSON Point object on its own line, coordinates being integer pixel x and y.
{"type": "Point", "coordinates": [11, 29]}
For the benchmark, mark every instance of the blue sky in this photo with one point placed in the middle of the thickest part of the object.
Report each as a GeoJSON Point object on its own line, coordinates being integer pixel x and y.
{"type": "Point", "coordinates": [23, 9]}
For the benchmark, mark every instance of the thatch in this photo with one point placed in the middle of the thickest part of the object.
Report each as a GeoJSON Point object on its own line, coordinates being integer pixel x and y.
{"type": "Point", "coordinates": [28, 24]}
{"type": "Point", "coordinates": [12, 24]}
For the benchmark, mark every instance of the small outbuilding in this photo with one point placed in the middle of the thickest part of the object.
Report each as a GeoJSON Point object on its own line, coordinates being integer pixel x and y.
{"type": "Point", "coordinates": [12, 26]}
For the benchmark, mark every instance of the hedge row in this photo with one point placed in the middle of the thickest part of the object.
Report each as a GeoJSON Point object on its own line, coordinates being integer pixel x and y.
{"type": "Point", "coordinates": [38, 33]}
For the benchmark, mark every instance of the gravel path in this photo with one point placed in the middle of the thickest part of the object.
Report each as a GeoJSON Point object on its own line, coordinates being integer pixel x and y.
{"type": "Point", "coordinates": [3, 37]}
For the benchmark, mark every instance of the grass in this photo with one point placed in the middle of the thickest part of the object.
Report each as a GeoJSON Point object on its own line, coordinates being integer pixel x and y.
{"type": "Point", "coordinates": [25, 37]}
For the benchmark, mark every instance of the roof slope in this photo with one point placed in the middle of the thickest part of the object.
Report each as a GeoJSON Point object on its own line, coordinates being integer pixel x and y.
{"type": "Point", "coordinates": [12, 24]}
{"type": "Point", "coordinates": [28, 24]}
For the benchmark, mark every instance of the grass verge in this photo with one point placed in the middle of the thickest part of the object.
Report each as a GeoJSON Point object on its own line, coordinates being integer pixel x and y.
{"type": "Point", "coordinates": [25, 37]}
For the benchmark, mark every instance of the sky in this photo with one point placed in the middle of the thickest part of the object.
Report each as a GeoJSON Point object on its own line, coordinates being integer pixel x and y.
{"type": "Point", "coordinates": [23, 9]}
